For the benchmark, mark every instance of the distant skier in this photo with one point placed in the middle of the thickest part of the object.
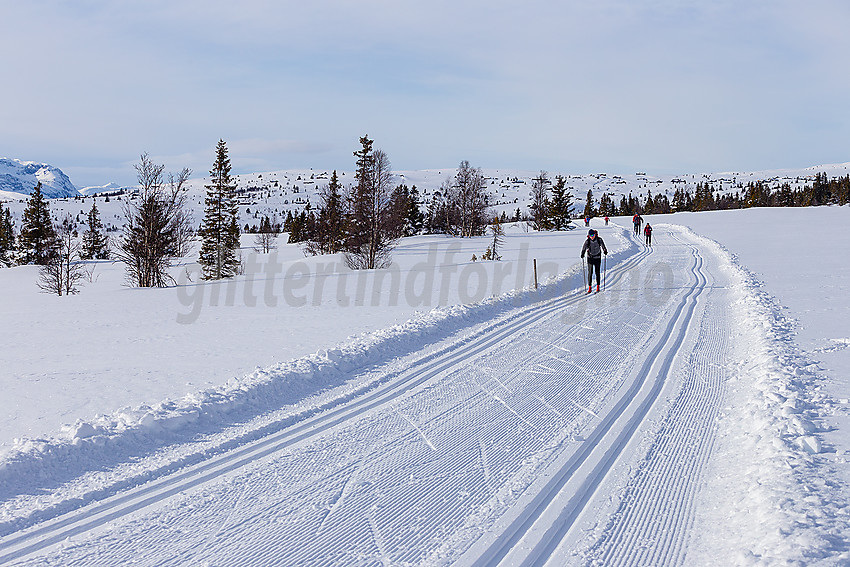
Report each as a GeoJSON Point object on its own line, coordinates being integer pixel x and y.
{"type": "Point", "coordinates": [648, 232]}
{"type": "Point", "coordinates": [638, 220]}
{"type": "Point", "coordinates": [593, 247]}
{"type": "Point", "coordinates": [606, 221]}
{"type": "Point", "coordinates": [586, 221]}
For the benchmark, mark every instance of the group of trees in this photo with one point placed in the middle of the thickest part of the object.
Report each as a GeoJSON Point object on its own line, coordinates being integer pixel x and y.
{"type": "Point", "coordinates": [461, 206]}
{"type": "Point", "coordinates": [158, 224]}
{"type": "Point", "coordinates": [158, 228]}
{"type": "Point", "coordinates": [822, 191]}
{"type": "Point", "coordinates": [51, 244]}
{"type": "Point", "coordinates": [550, 213]}
{"type": "Point", "coordinates": [364, 221]}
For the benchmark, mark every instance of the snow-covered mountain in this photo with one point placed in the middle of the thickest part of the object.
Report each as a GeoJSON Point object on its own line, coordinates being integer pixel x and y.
{"type": "Point", "coordinates": [21, 177]}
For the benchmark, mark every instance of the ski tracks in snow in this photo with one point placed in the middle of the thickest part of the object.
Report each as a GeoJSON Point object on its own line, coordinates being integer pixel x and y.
{"type": "Point", "coordinates": [575, 432]}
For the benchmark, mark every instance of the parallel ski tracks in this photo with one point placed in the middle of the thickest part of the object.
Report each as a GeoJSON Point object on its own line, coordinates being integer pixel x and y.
{"type": "Point", "coordinates": [652, 523]}
{"type": "Point", "coordinates": [545, 517]}
{"type": "Point", "coordinates": [92, 516]}
{"type": "Point", "coordinates": [534, 535]}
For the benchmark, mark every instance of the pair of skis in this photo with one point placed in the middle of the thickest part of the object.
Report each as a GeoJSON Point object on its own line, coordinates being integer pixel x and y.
{"type": "Point", "coordinates": [584, 268]}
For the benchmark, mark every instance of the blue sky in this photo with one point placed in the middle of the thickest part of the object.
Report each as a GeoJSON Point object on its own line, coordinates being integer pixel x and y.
{"type": "Point", "coordinates": [619, 86]}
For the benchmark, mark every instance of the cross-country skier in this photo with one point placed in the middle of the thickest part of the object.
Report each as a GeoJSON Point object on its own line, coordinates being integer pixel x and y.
{"type": "Point", "coordinates": [594, 247]}
{"type": "Point", "coordinates": [606, 221]}
{"type": "Point", "coordinates": [648, 232]}
{"type": "Point", "coordinates": [638, 220]}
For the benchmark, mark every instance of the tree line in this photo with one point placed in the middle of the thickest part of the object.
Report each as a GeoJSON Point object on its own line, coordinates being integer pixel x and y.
{"type": "Point", "coordinates": [363, 221]}
{"type": "Point", "coordinates": [158, 228]}
{"type": "Point", "coordinates": [822, 191]}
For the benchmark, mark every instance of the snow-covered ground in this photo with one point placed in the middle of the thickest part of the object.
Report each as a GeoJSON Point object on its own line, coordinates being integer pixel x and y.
{"type": "Point", "coordinates": [443, 412]}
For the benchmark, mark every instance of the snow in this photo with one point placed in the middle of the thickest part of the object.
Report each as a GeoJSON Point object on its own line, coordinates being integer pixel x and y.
{"type": "Point", "coordinates": [793, 384]}
{"type": "Point", "coordinates": [700, 419]}
{"type": "Point", "coordinates": [108, 188]}
{"type": "Point", "coordinates": [21, 177]}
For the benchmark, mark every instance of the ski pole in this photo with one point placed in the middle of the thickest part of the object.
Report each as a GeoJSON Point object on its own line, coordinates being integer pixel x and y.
{"type": "Point", "coordinates": [583, 273]}
{"type": "Point", "coordinates": [604, 271]}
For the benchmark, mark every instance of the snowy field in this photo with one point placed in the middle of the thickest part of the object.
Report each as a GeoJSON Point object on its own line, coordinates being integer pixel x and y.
{"type": "Point", "coordinates": [695, 412]}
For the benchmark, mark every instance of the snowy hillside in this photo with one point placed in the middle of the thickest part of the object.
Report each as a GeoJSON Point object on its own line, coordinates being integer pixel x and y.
{"type": "Point", "coordinates": [108, 188]}
{"type": "Point", "coordinates": [19, 178]}
{"type": "Point", "coordinates": [442, 411]}
{"type": "Point", "coordinates": [275, 193]}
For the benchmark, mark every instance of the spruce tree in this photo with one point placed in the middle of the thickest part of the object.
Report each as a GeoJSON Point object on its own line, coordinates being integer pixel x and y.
{"type": "Point", "coordinates": [678, 200]}
{"type": "Point", "coordinates": [649, 207]}
{"type": "Point", "coordinates": [397, 223]}
{"type": "Point", "coordinates": [360, 201]}
{"type": "Point", "coordinates": [38, 238]}
{"type": "Point", "coordinates": [606, 205]}
{"type": "Point", "coordinates": [498, 235]}
{"type": "Point", "coordinates": [220, 228]}
{"type": "Point", "coordinates": [7, 236]}
{"type": "Point", "coordinates": [415, 218]}
{"type": "Point", "coordinates": [95, 244]}
{"type": "Point", "coordinates": [589, 210]}
{"type": "Point", "coordinates": [561, 207]}
{"type": "Point", "coordinates": [369, 242]}
{"type": "Point", "coordinates": [330, 233]}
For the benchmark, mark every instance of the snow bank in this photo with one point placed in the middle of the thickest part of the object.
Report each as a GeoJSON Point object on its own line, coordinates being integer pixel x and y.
{"type": "Point", "coordinates": [770, 500]}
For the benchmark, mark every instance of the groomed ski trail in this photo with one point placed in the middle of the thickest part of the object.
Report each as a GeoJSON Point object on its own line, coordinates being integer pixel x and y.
{"type": "Point", "coordinates": [501, 448]}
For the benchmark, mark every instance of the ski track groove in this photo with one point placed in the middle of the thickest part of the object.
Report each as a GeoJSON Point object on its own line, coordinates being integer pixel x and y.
{"type": "Point", "coordinates": [158, 493]}
{"type": "Point", "coordinates": [510, 545]}
{"type": "Point", "coordinates": [651, 524]}
{"type": "Point", "coordinates": [453, 359]}
{"type": "Point", "coordinates": [363, 487]}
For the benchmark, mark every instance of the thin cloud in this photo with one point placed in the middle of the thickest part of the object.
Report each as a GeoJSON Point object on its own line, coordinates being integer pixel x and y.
{"type": "Point", "coordinates": [652, 84]}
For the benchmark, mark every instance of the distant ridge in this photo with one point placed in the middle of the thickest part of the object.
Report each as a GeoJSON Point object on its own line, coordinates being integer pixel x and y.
{"type": "Point", "coordinates": [108, 188]}
{"type": "Point", "coordinates": [18, 176]}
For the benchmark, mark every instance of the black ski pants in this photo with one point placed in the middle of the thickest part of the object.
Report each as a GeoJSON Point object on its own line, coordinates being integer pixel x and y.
{"type": "Point", "coordinates": [593, 262]}
{"type": "Point", "coordinates": [648, 238]}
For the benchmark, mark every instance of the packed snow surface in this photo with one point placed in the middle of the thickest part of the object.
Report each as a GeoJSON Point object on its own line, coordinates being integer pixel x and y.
{"type": "Point", "coordinates": [443, 411]}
